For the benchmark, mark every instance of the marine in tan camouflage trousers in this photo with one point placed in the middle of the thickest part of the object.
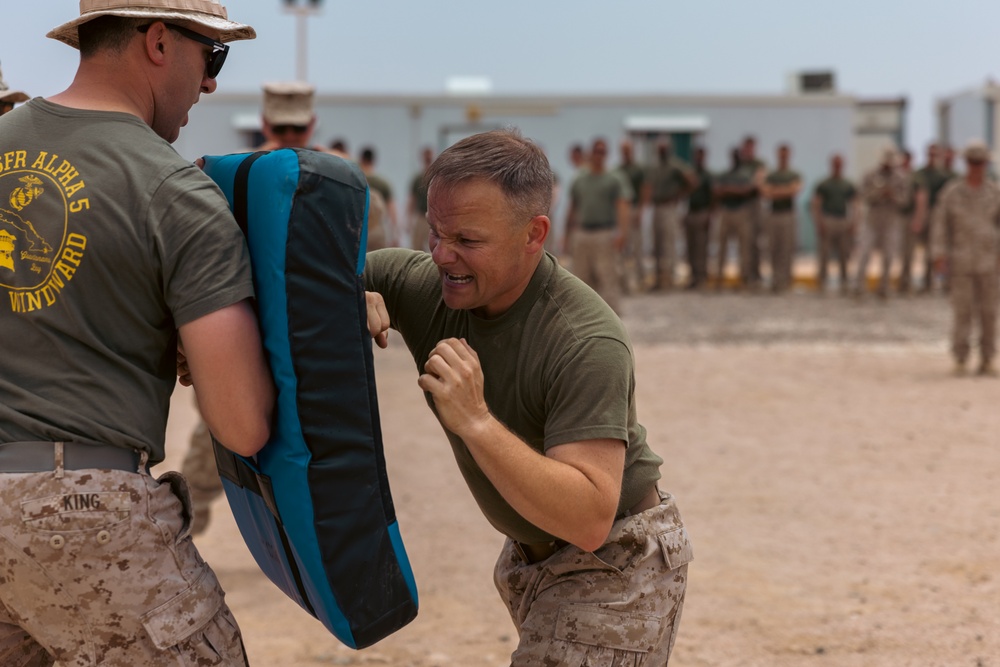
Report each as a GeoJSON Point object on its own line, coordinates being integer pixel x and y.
{"type": "Point", "coordinates": [620, 605]}
{"type": "Point", "coordinates": [97, 568]}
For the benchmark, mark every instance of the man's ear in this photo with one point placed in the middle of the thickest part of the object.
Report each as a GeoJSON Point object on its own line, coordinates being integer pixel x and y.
{"type": "Point", "coordinates": [155, 42]}
{"type": "Point", "coordinates": [538, 231]}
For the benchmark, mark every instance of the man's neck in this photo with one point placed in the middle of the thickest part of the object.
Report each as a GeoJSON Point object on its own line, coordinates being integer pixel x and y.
{"type": "Point", "coordinates": [93, 88]}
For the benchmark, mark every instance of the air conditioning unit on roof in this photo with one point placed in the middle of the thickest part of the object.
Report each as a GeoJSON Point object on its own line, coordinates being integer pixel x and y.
{"type": "Point", "coordinates": [812, 82]}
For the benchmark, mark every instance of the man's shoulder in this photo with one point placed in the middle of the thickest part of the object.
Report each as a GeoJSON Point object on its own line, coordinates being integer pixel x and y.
{"type": "Point", "coordinates": [577, 310]}
{"type": "Point", "coordinates": [379, 183]}
{"type": "Point", "coordinates": [952, 190]}
{"type": "Point", "coordinates": [397, 259]}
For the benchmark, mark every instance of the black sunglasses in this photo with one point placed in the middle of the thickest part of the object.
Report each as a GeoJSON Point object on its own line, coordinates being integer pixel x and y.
{"type": "Point", "coordinates": [215, 59]}
{"type": "Point", "coordinates": [282, 129]}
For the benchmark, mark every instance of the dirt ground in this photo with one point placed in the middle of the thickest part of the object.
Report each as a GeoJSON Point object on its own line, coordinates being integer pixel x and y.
{"type": "Point", "coordinates": [837, 481]}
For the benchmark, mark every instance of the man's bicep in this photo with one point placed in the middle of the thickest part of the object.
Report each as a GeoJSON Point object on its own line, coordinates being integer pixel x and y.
{"type": "Point", "coordinates": [601, 460]}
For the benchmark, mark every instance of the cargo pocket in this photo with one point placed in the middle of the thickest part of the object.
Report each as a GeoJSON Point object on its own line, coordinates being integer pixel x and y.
{"type": "Point", "coordinates": [676, 547]}
{"type": "Point", "coordinates": [196, 626]}
{"type": "Point", "coordinates": [598, 636]}
{"type": "Point", "coordinates": [179, 487]}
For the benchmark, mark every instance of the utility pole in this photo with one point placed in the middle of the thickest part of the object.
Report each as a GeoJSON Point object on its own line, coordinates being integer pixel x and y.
{"type": "Point", "coordinates": [302, 11]}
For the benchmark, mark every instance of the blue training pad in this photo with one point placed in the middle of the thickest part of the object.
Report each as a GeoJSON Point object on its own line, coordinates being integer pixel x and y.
{"type": "Point", "coordinates": [314, 506]}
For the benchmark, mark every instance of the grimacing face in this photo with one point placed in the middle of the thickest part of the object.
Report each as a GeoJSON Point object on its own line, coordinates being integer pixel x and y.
{"type": "Point", "coordinates": [484, 258]}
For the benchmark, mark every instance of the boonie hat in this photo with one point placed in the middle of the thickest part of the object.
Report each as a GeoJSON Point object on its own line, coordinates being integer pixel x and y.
{"type": "Point", "coordinates": [976, 151]}
{"type": "Point", "coordinates": [8, 95]}
{"type": "Point", "coordinates": [208, 13]}
{"type": "Point", "coordinates": [288, 103]}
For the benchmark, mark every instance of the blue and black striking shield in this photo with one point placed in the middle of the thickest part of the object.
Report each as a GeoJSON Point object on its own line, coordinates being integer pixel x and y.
{"type": "Point", "coordinates": [314, 505]}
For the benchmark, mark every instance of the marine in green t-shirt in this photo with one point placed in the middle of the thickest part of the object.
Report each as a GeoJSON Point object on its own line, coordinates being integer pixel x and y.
{"type": "Point", "coordinates": [832, 209]}
{"type": "Point", "coordinates": [782, 184]}
{"type": "Point", "coordinates": [702, 197]}
{"type": "Point", "coordinates": [781, 187]}
{"type": "Point", "coordinates": [632, 174]}
{"type": "Point", "coordinates": [531, 375]}
{"type": "Point", "coordinates": [668, 180]}
{"type": "Point", "coordinates": [834, 193]}
{"type": "Point", "coordinates": [595, 198]}
{"type": "Point", "coordinates": [380, 185]}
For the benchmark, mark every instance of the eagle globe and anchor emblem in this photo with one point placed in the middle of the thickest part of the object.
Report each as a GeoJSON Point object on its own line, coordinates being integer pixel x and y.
{"type": "Point", "coordinates": [16, 230]}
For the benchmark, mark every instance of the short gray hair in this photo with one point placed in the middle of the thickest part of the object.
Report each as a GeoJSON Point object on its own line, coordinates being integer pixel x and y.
{"type": "Point", "coordinates": [505, 158]}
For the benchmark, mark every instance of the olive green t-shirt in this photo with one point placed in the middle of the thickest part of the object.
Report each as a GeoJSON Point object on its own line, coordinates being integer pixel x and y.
{"type": "Point", "coordinates": [933, 179]}
{"type": "Point", "coordinates": [596, 197]}
{"type": "Point", "coordinates": [740, 176]}
{"type": "Point", "coordinates": [783, 177]}
{"type": "Point", "coordinates": [109, 241]}
{"type": "Point", "coordinates": [635, 175]}
{"type": "Point", "coordinates": [754, 165]}
{"type": "Point", "coordinates": [418, 190]}
{"type": "Point", "coordinates": [666, 181]}
{"type": "Point", "coordinates": [558, 368]}
{"type": "Point", "coordinates": [376, 182]}
{"type": "Point", "coordinates": [834, 196]}
{"type": "Point", "coordinates": [701, 197]}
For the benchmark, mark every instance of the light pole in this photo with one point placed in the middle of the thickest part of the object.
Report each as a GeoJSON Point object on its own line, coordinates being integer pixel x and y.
{"type": "Point", "coordinates": [302, 10]}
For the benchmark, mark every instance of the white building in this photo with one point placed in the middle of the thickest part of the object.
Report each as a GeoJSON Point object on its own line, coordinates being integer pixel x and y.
{"type": "Point", "coordinates": [815, 125]}
{"type": "Point", "coordinates": [970, 114]}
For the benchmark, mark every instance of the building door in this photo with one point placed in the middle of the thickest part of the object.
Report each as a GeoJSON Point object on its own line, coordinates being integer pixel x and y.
{"type": "Point", "coordinates": [645, 144]}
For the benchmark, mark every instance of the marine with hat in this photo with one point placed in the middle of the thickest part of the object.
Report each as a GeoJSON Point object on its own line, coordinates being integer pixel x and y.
{"type": "Point", "coordinates": [288, 117]}
{"type": "Point", "coordinates": [122, 268]}
{"type": "Point", "coordinates": [965, 236]}
{"type": "Point", "coordinates": [9, 97]}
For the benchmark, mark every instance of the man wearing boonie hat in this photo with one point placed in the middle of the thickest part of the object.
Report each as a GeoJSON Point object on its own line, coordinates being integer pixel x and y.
{"type": "Point", "coordinates": [8, 97]}
{"type": "Point", "coordinates": [288, 118]}
{"type": "Point", "coordinates": [965, 235]}
{"type": "Point", "coordinates": [115, 255]}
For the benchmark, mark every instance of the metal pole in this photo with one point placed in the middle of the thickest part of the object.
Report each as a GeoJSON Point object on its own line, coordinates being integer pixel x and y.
{"type": "Point", "coordinates": [303, 51]}
{"type": "Point", "coordinates": [302, 14]}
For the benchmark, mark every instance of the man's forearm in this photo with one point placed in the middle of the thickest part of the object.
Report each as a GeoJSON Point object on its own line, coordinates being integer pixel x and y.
{"type": "Point", "coordinates": [574, 504]}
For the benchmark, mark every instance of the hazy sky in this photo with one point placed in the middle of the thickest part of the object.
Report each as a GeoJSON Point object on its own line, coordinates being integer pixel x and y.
{"type": "Point", "coordinates": [878, 48]}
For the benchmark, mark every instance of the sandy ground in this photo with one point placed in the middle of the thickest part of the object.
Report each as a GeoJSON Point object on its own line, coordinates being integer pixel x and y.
{"type": "Point", "coordinates": [837, 481]}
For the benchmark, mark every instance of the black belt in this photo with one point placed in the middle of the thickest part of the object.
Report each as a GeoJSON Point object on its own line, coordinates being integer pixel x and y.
{"type": "Point", "coordinates": [40, 456]}
{"type": "Point", "coordinates": [537, 552]}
